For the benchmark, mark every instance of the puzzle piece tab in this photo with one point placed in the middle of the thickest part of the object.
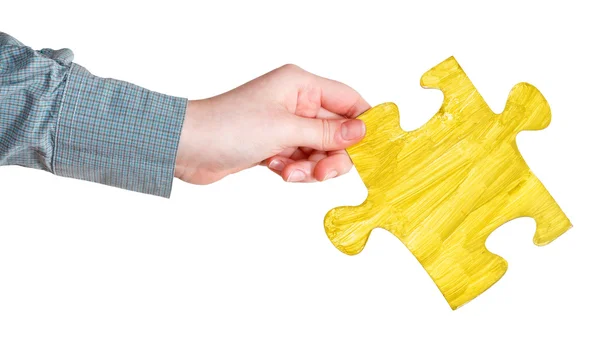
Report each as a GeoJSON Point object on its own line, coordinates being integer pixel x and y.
{"type": "Point", "coordinates": [443, 188]}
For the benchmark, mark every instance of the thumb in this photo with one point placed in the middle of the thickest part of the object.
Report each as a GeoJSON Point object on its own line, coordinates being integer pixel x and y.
{"type": "Point", "coordinates": [329, 134]}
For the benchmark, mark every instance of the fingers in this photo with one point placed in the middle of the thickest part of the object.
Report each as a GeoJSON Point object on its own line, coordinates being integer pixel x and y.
{"type": "Point", "coordinates": [326, 114]}
{"type": "Point", "coordinates": [293, 171]}
{"type": "Point", "coordinates": [318, 167]}
{"type": "Point", "coordinates": [314, 139]}
{"type": "Point", "coordinates": [333, 96]}
{"type": "Point", "coordinates": [335, 164]}
{"type": "Point", "coordinates": [326, 135]}
{"type": "Point", "coordinates": [341, 99]}
{"type": "Point", "coordinates": [316, 91]}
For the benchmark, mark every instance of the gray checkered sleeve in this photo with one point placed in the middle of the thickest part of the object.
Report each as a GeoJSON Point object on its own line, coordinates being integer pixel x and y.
{"type": "Point", "coordinates": [56, 116]}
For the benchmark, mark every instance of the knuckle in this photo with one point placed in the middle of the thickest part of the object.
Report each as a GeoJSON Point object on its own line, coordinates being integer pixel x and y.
{"type": "Point", "coordinates": [291, 68]}
{"type": "Point", "coordinates": [327, 136]}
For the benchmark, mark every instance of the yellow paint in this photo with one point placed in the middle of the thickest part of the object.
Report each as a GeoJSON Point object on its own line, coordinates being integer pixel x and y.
{"type": "Point", "coordinates": [443, 188]}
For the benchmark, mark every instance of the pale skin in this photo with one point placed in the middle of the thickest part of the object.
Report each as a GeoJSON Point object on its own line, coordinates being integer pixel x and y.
{"type": "Point", "coordinates": [293, 122]}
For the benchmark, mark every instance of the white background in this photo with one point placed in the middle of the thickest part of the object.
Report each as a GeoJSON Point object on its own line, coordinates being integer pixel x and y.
{"type": "Point", "coordinates": [247, 257]}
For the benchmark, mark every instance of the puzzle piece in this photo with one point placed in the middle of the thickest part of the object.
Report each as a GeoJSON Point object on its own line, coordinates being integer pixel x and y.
{"type": "Point", "coordinates": [443, 188]}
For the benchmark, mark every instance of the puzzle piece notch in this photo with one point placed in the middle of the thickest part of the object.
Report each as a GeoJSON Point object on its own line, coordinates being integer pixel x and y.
{"type": "Point", "coordinates": [526, 106]}
{"type": "Point", "coordinates": [443, 188]}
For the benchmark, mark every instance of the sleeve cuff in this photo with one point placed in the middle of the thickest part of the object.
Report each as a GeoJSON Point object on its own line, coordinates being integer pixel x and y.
{"type": "Point", "coordinates": [118, 134]}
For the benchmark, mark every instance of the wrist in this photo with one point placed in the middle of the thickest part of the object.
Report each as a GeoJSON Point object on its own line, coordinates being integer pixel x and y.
{"type": "Point", "coordinates": [196, 137]}
{"type": "Point", "coordinates": [183, 148]}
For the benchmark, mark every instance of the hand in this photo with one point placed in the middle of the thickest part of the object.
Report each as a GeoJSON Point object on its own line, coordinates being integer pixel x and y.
{"type": "Point", "coordinates": [296, 123]}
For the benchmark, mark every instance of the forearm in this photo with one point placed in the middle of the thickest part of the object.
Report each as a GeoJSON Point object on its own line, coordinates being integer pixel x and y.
{"type": "Point", "coordinates": [56, 116]}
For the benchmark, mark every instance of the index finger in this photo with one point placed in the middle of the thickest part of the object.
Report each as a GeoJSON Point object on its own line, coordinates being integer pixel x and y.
{"type": "Point", "coordinates": [341, 99]}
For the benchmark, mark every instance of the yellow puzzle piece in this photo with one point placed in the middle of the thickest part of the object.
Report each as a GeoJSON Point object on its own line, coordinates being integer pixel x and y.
{"type": "Point", "coordinates": [443, 188]}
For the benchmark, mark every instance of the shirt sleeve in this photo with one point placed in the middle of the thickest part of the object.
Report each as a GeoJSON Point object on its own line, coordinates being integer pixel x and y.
{"type": "Point", "coordinates": [56, 116]}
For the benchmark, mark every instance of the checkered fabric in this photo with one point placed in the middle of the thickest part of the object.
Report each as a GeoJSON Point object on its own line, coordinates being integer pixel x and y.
{"type": "Point", "coordinates": [58, 117]}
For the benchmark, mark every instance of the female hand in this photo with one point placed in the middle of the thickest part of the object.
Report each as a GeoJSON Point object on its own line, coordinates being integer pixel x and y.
{"type": "Point", "coordinates": [296, 123]}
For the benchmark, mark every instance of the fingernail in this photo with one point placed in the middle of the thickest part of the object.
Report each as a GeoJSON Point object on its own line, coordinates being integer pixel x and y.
{"type": "Point", "coordinates": [331, 174]}
{"type": "Point", "coordinates": [295, 176]}
{"type": "Point", "coordinates": [353, 129]}
{"type": "Point", "coordinates": [276, 165]}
